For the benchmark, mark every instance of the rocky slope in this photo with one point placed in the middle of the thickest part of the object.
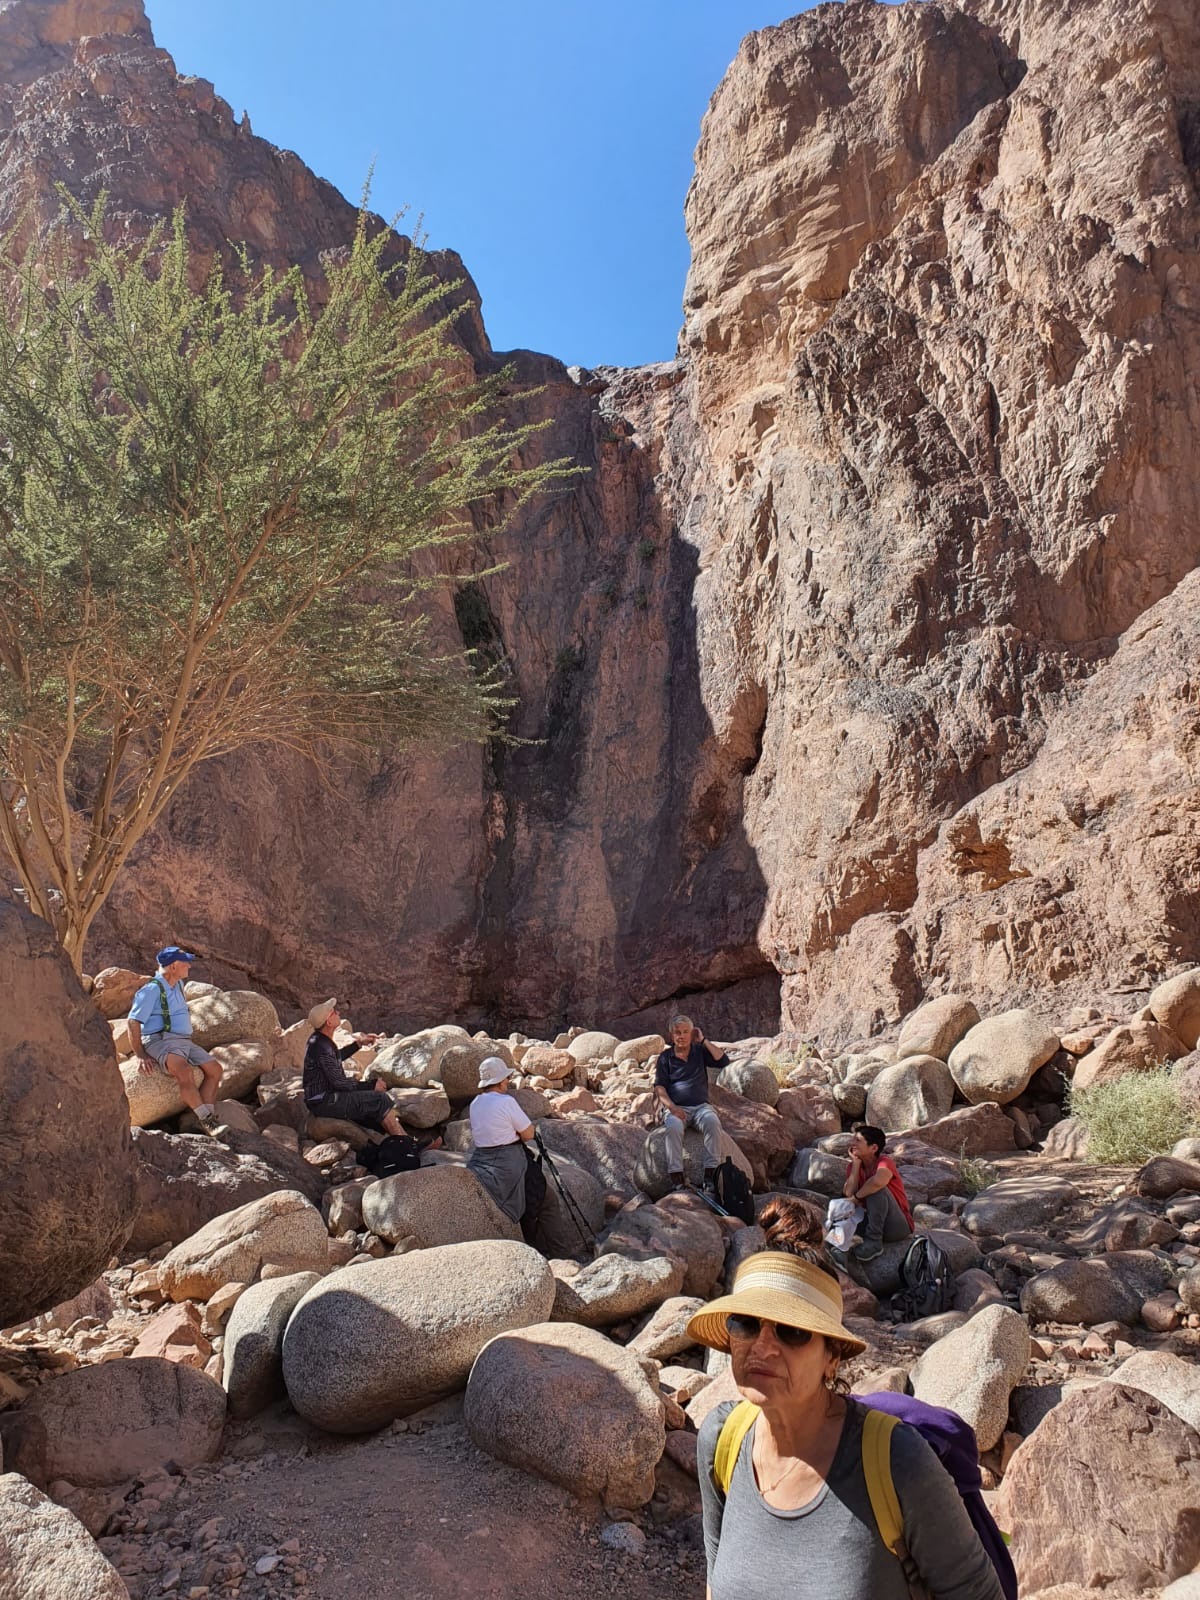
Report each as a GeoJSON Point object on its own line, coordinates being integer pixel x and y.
{"type": "Point", "coordinates": [862, 661]}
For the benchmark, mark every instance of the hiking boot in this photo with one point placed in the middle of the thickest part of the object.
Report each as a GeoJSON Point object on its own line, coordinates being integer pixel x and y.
{"type": "Point", "coordinates": [208, 1121]}
{"type": "Point", "coordinates": [868, 1250]}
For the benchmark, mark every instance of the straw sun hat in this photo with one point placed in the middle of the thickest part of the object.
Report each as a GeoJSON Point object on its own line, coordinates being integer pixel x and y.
{"type": "Point", "coordinates": [779, 1288]}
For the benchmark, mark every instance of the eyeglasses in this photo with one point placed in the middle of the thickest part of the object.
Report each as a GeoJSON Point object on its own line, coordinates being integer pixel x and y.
{"type": "Point", "coordinates": [742, 1327]}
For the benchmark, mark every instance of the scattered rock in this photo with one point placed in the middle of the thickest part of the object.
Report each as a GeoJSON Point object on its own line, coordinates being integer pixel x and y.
{"type": "Point", "coordinates": [567, 1404]}
{"type": "Point", "coordinates": [614, 1288]}
{"type": "Point", "coordinates": [1164, 1176]}
{"type": "Point", "coordinates": [594, 1046]}
{"type": "Point", "coordinates": [1067, 1140]}
{"type": "Point", "coordinates": [1176, 1005]}
{"type": "Point", "coordinates": [641, 1049]}
{"type": "Point", "coordinates": [971, 1131]}
{"type": "Point", "coordinates": [385, 1338]}
{"type": "Point", "coordinates": [752, 1080]}
{"type": "Point", "coordinates": [1133, 1047]}
{"type": "Point", "coordinates": [1096, 1289]}
{"type": "Point", "coordinates": [664, 1333]}
{"type": "Point", "coordinates": [680, 1225]}
{"type": "Point", "coordinates": [175, 1335]}
{"type": "Point", "coordinates": [1176, 1383]}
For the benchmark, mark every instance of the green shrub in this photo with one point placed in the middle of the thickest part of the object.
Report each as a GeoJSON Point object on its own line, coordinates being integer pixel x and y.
{"type": "Point", "coordinates": [976, 1175]}
{"type": "Point", "coordinates": [1133, 1118]}
{"type": "Point", "coordinates": [647, 549]}
{"type": "Point", "coordinates": [784, 1062]}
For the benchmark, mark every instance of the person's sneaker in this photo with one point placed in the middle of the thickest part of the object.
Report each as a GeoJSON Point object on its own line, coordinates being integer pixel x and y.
{"type": "Point", "coordinates": [867, 1251]}
{"type": "Point", "coordinates": [208, 1121]}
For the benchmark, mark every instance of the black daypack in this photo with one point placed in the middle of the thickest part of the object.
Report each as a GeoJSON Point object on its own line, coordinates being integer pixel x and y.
{"type": "Point", "coordinates": [731, 1190]}
{"type": "Point", "coordinates": [396, 1153]}
{"type": "Point", "coordinates": [926, 1282]}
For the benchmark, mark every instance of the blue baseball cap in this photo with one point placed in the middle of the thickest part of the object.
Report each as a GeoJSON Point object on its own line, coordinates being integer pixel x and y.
{"type": "Point", "coordinates": [173, 953]}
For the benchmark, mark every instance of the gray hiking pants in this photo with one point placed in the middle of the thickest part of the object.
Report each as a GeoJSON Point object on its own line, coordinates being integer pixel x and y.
{"type": "Point", "coordinates": [885, 1222]}
{"type": "Point", "coordinates": [709, 1124]}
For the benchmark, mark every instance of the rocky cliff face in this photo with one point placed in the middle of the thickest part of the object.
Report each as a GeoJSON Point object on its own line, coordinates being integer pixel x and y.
{"type": "Point", "coordinates": [862, 663]}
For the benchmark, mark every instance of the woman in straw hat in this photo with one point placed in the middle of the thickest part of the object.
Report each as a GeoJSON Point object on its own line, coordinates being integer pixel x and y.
{"type": "Point", "coordinates": [796, 1517]}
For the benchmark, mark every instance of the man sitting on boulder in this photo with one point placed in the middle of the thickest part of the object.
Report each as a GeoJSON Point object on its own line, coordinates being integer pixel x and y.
{"type": "Point", "coordinates": [160, 1033]}
{"type": "Point", "coordinates": [328, 1091]}
{"type": "Point", "coordinates": [877, 1186]}
{"type": "Point", "coordinates": [681, 1087]}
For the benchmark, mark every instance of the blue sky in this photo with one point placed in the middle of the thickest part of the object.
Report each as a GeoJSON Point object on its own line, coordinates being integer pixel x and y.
{"type": "Point", "coordinates": [549, 142]}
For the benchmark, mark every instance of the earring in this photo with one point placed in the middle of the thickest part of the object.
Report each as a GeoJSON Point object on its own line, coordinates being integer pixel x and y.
{"type": "Point", "coordinates": [831, 1379]}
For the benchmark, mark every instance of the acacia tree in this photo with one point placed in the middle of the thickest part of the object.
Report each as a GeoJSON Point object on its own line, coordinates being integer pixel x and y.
{"type": "Point", "coordinates": [222, 510]}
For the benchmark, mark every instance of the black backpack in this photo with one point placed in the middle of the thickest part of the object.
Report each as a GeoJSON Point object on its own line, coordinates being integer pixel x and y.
{"type": "Point", "coordinates": [926, 1282]}
{"type": "Point", "coordinates": [396, 1153]}
{"type": "Point", "coordinates": [731, 1190]}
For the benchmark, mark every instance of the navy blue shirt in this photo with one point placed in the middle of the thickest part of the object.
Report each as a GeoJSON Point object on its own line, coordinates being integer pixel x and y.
{"type": "Point", "coordinates": [687, 1081]}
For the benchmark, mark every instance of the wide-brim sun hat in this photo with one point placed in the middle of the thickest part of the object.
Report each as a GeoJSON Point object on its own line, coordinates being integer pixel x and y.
{"type": "Point", "coordinates": [319, 1015]}
{"type": "Point", "coordinates": [777, 1287]}
{"type": "Point", "coordinates": [493, 1071]}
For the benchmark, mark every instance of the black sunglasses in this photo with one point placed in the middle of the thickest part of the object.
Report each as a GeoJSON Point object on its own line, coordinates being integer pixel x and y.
{"type": "Point", "coordinates": [741, 1327]}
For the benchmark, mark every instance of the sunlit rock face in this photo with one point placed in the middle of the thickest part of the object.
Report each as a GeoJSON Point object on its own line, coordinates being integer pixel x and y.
{"type": "Point", "coordinates": [861, 663]}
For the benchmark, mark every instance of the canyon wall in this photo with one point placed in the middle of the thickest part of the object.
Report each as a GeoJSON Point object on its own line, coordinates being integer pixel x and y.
{"type": "Point", "coordinates": [861, 664]}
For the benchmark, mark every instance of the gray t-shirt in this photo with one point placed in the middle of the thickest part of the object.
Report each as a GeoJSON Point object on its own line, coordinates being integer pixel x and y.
{"type": "Point", "coordinates": [830, 1549]}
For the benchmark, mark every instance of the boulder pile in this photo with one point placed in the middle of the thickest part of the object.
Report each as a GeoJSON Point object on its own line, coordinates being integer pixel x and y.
{"type": "Point", "coordinates": [270, 1269]}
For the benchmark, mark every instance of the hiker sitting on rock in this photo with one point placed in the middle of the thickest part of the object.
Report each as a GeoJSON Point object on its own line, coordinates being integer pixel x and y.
{"type": "Point", "coordinates": [328, 1091]}
{"type": "Point", "coordinates": [789, 1477]}
{"type": "Point", "coordinates": [501, 1131]}
{"type": "Point", "coordinates": [878, 1187]}
{"type": "Point", "coordinates": [160, 1033]}
{"type": "Point", "coordinates": [681, 1087]}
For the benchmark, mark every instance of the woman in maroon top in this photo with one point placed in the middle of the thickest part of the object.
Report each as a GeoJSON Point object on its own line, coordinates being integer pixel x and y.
{"type": "Point", "coordinates": [877, 1186]}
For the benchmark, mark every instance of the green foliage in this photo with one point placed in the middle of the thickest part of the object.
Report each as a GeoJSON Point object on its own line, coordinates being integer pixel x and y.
{"type": "Point", "coordinates": [976, 1175]}
{"type": "Point", "coordinates": [784, 1062]}
{"type": "Point", "coordinates": [225, 498]}
{"type": "Point", "coordinates": [647, 549]}
{"type": "Point", "coordinates": [1137, 1116]}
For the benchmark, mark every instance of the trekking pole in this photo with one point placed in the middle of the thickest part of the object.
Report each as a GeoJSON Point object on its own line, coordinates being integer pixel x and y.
{"type": "Point", "coordinates": [576, 1215]}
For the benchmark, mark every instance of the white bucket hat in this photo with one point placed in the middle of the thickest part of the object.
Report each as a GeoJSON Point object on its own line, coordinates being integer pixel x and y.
{"type": "Point", "coordinates": [492, 1071]}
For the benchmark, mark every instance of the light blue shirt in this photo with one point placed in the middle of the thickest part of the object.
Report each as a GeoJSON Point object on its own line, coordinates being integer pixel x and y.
{"type": "Point", "coordinates": [147, 1009]}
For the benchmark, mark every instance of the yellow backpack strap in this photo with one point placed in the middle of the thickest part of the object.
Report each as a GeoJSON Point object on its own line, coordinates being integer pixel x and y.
{"type": "Point", "coordinates": [729, 1441]}
{"type": "Point", "coordinates": [881, 1488]}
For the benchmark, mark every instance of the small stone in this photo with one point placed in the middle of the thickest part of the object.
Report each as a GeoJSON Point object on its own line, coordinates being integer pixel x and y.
{"type": "Point", "coordinates": [266, 1564]}
{"type": "Point", "coordinates": [625, 1536]}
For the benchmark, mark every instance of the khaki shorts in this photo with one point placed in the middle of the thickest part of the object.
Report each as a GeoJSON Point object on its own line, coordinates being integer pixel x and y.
{"type": "Point", "coordinates": [161, 1045]}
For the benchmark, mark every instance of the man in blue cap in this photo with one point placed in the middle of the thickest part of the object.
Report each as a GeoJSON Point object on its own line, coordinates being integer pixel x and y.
{"type": "Point", "coordinates": [160, 1032]}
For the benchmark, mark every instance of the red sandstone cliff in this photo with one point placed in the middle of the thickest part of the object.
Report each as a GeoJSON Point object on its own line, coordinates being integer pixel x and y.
{"type": "Point", "coordinates": [864, 660]}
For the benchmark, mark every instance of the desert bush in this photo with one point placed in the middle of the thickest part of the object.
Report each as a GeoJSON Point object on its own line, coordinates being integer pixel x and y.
{"type": "Point", "coordinates": [1133, 1118]}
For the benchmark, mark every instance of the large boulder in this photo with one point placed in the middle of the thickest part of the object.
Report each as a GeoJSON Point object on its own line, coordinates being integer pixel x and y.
{"type": "Point", "coordinates": [1016, 1204]}
{"type": "Point", "coordinates": [610, 1151]}
{"type": "Point", "coordinates": [616, 1287]}
{"type": "Point", "coordinates": [594, 1046]}
{"type": "Point", "coordinates": [1137, 1046]}
{"type": "Point", "coordinates": [66, 1158]}
{"type": "Point", "coordinates": [759, 1133]}
{"type": "Point", "coordinates": [1176, 1005]}
{"type": "Point", "coordinates": [680, 1226]}
{"type": "Point", "coordinates": [230, 1016]}
{"type": "Point", "coordinates": [434, 1205]}
{"type": "Point", "coordinates": [282, 1231]}
{"type": "Point", "coordinates": [936, 1027]}
{"type": "Point", "coordinates": [460, 1063]}
{"type": "Point", "coordinates": [386, 1338]}
{"type": "Point", "coordinates": [653, 1171]}
{"type": "Point", "coordinates": [972, 1131]}
{"type": "Point", "coordinates": [752, 1080]}
{"type": "Point", "coordinates": [819, 1171]}
{"type": "Point", "coordinates": [1107, 1288]}
{"type": "Point", "coordinates": [46, 1553]}
{"type": "Point", "coordinates": [415, 1062]}
{"type": "Point", "coordinates": [996, 1058]}
{"type": "Point", "coordinates": [567, 1404]}
{"type": "Point", "coordinates": [184, 1181]}
{"type": "Point", "coordinates": [252, 1372]}
{"type": "Point", "coordinates": [1170, 1379]}
{"type": "Point", "coordinates": [120, 1419]}
{"type": "Point", "coordinates": [113, 990]}
{"type": "Point", "coordinates": [1129, 1470]}
{"type": "Point", "coordinates": [975, 1369]}
{"type": "Point", "coordinates": [643, 1048]}
{"type": "Point", "coordinates": [915, 1091]}
{"type": "Point", "coordinates": [810, 1111]}
{"type": "Point", "coordinates": [1163, 1176]}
